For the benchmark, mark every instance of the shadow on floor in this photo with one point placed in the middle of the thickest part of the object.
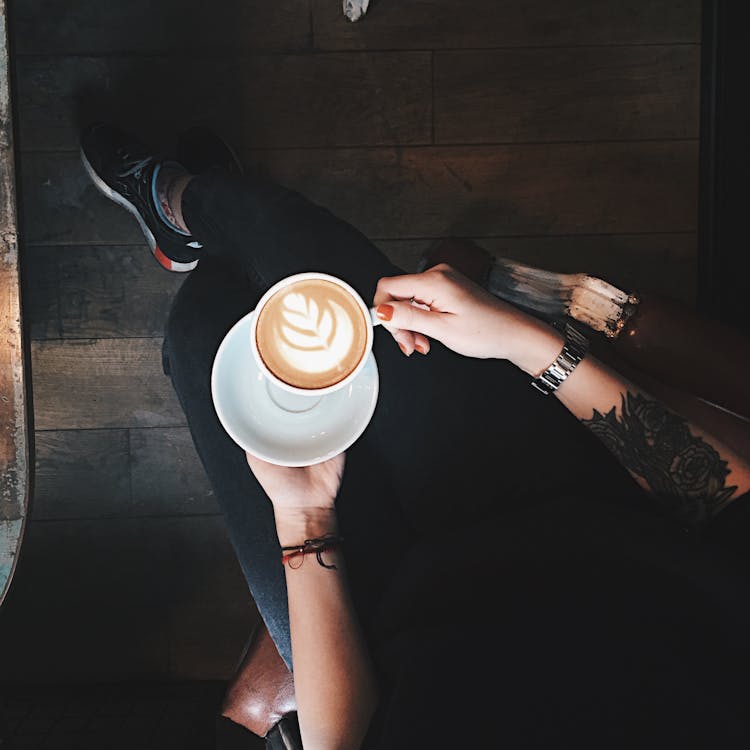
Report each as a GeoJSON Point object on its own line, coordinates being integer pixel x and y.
{"type": "Point", "coordinates": [119, 716]}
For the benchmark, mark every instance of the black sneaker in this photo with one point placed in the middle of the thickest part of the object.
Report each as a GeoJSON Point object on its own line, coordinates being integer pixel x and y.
{"type": "Point", "coordinates": [200, 148]}
{"type": "Point", "coordinates": [122, 168]}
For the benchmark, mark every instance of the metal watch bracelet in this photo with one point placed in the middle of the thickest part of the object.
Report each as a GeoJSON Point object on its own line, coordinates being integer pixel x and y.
{"type": "Point", "coordinates": [574, 350]}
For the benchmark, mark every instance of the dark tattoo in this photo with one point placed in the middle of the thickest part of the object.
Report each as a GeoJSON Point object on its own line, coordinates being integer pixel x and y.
{"type": "Point", "coordinates": [654, 443]}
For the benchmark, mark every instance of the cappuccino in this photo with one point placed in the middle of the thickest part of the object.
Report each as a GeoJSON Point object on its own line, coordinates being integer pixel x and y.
{"type": "Point", "coordinates": [311, 334]}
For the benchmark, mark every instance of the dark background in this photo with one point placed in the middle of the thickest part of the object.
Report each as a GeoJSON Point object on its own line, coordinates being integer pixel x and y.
{"type": "Point", "coordinates": [724, 257]}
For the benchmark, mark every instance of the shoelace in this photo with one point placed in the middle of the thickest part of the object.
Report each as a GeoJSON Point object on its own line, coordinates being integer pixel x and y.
{"type": "Point", "coordinates": [134, 164]}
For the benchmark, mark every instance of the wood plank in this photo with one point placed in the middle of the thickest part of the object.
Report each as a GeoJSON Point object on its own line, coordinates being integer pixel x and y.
{"type": "Point", "coordinates": [39, 276]}
{"type": "Point", "coordinates": [90, 384]}
{"type": "Point", "coordinates": [661, 263]}
{"type": "Point", "coordinates": [60, 205]}
{"type": "Point", "coordinates": [113, 291]}
{"type": "Point", "coordinates": [91, 27]}
{"type": "Point", "coordinates": [167, 475]}
{"type": "Point", "coordinates": [126, 597]}
{"type": "Point", "coordinates": [348, 99]}
{"type": "Point", "coordinates": [82, 474]}
{"type": "Point", "coordinates": [423, 192]}
{"type": "Point", "coordinates": [564, 94]}
{"type": "Point", "coordinates": [664, 263]}
{"type": "Point", "coordinates": [440, 24]}
{"type": "Point", "coordinates": [14, 418]}
{"type": "Point", "coordinates": [95, 292]}
{"type": "Point", "coordinates": [510, 190]}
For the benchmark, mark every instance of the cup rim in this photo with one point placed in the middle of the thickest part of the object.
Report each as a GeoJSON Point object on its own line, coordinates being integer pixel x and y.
{"type": "Point", "coordinates": [288, 281]}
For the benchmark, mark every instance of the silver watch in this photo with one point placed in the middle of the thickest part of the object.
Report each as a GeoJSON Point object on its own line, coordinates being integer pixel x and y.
{"type": "Point", "coordinates": [574, 350]}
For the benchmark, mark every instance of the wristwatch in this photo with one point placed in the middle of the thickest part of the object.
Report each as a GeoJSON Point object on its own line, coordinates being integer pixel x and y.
{"type": "Point", "coordinates": [574, 350]}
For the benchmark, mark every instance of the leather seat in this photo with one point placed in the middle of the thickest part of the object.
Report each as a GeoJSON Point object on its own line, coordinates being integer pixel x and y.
{"type": "Point", "coordinates": [260, 695]}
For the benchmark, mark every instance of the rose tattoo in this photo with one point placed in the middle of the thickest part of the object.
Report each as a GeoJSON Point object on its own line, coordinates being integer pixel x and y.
{"type": "Point", "coordinates": [682, 470]}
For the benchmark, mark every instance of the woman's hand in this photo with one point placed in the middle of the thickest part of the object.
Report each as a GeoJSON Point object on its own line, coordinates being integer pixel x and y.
{"type": "Point", "coordinates": [303, 497]}
{"type": "Point", "coordinates": [445, 305]}
{"type": "Point", "coordinates": [299, 486]}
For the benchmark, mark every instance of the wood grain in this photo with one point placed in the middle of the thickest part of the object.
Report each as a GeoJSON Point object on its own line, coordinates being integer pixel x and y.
{"type": "Point", "coordinates": [439, 24]}
{"type": "Point", "coordinates": [113, 291]}
{"type": "Point", "coordinates": [90, 383]}
{"type": "Point", "coordinates": [348, 99]}
{"type": "Point", "coordinates": [567, 94]}
{"type": "Point", "coordinates": [662, 263]}
{"type": "Point", "coordinates": [422, 192]}
{"type": "Point", "coordinates": [60, 205]}
{"type": "Point", "coordinates": [167, 477]}
{"type": "Point", "coordinates": [82, 474]}
{"type": "Point", "coordinates": [90, 27]}
{"type": "Point", "coordinates": [501, 190]}
{"type": "Point", "coordinates": [40, 292]}
{"type": "Point", "coordinates": [89, 291]}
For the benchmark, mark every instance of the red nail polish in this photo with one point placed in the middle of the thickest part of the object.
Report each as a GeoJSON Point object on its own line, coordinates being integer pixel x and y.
{"type": "Point", "coordinates": [403, 349]}
{"type": "Point", "coordinates": [420, 348]}
{"type": "Point", "coordinates": [384, 312]}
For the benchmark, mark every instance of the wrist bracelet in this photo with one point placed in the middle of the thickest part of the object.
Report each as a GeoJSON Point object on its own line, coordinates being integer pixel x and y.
{"type": "Point", "coordinates": [574, 350]}
{"type": "Point", "coordinates": [319, 545]}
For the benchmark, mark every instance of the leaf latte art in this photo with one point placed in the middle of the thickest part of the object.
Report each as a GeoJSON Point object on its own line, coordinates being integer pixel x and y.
{"type": "Point", "coordinates": [311, 334]}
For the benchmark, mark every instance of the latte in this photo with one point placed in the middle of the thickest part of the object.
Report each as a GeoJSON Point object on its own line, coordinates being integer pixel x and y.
{"type": "Point", "coordinates": [311, 334]}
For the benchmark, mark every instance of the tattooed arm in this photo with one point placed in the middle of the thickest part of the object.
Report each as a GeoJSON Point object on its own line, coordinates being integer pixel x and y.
{"type": "Point", "coordinates": [686, 466]}
{"type": "Point", "coordinates": [689, 470]}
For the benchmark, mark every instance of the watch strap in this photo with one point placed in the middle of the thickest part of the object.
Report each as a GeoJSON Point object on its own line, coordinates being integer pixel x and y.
{"type": "Point", "coordinates": [574, 350]}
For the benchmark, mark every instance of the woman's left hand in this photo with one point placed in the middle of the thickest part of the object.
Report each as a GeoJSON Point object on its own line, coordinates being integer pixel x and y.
{"type": "Point", "coordinates": [299, 487]}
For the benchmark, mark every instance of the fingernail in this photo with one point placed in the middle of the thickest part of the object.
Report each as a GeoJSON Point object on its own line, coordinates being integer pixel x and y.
{"type": "Point", "coordinates": [404, 349]}
{"type": "Point", "coordinates": [420, 348]}
{"type": "Point", "coordinates": [384, 312]}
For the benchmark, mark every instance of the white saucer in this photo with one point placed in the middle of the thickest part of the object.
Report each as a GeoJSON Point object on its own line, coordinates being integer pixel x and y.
{"type": "Point", "coordinates": [260, 427]}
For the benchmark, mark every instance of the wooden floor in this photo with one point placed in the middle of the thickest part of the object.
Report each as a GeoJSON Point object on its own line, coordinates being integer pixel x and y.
{"type": "Point", "coordinates": [562, 134]}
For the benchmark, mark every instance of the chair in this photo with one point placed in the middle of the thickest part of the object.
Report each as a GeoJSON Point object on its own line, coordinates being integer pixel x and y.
{"type": "Point", "coordinates": [260, 695]}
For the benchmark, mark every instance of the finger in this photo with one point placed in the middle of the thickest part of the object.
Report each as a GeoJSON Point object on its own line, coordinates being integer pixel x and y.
{"type": "Point", "coordinates": [421, 343]}
{"type": "Point", "coordinates": [406, 342]}
{"type": "Point", "coordinates": [404, 339]}
{"type": "Point", "coordinates": [409, 317]}
{"type": "Point", "coordinates": [409, 341]}
{"type": "Point", "coordinates": [419, 286]}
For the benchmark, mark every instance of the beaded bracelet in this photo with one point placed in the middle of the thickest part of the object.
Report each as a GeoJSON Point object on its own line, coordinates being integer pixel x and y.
{"type": "Point", "coordinates": [318, 546]}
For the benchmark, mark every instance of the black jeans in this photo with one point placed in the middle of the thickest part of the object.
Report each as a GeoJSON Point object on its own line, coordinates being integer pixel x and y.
{"type": "Point", "coordinates": [452, 441]}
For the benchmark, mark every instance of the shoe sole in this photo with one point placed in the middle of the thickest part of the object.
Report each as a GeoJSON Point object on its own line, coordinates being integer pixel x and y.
{"type": "Point", "coordinates": [113, 195]}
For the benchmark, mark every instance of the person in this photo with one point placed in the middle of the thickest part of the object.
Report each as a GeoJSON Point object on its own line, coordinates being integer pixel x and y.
{"type": "Point", "coordinates": [489, 565]}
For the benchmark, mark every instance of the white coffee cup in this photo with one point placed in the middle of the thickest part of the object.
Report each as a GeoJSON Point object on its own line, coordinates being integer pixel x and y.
{"type": "Point", "coordinates": [298, 319]}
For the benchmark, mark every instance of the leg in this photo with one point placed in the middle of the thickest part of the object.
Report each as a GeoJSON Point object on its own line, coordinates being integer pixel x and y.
{"type": "Point", "coordinates": [270, 232]}
{"type": "Point", "coordinates": [209, 302]}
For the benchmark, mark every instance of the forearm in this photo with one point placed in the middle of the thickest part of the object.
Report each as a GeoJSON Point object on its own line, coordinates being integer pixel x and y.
{"type": "Point", "coordinates": [333, 678]}
{"type": "Point", "coordinates": [670, 456]}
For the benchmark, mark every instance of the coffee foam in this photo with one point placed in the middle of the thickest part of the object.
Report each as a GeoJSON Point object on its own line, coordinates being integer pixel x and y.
{"type": "Point", "coordinates": [311, 334]}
